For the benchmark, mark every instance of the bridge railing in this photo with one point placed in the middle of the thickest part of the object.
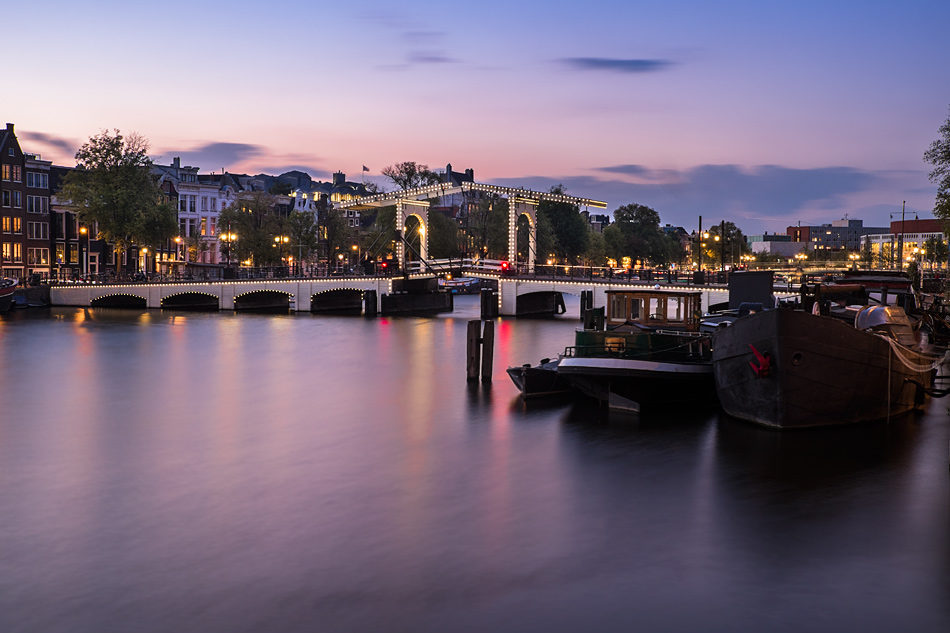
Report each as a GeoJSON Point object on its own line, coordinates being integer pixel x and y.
{"type": "Point", "coordinates": [224, 274]}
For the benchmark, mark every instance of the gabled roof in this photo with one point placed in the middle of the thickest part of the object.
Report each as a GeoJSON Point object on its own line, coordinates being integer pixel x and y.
{"type": "Point", "coordinates": [7, 136]}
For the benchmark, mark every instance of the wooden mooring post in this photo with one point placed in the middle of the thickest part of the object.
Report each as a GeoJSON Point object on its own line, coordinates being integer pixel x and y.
{"type": "Point", "coordinates": [480, 350]}
{"type": "Point", "coordinates": [587, 302]}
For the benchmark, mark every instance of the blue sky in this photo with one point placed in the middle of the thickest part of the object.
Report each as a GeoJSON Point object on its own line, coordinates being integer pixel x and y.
{"type": "Point", "coordinates": [762, 113]}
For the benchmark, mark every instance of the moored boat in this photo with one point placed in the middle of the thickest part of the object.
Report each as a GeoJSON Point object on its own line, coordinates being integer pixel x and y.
{"type": "Point", "coordinates": [650, 353]}
{"type": "Point", "coordinates": [789, 368]}
{"type": "Point", "coordinates": [7, 290]}
{"type": "Point", "coordinates": [538, 381]}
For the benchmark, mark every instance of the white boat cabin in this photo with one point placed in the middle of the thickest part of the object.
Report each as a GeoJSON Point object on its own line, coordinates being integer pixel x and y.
{"type": "Point", "coordinates": [655, 308]}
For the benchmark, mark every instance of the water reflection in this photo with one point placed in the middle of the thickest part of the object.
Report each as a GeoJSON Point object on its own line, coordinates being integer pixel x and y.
{"type": "Point", "coordinates": [221, 472]}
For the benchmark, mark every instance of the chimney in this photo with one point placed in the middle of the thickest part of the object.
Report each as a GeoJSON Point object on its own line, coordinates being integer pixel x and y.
{"type": "Point", "coordinates": [339, 178]}
{"type": "Point", "coordinates": [9, 127]}
{"type": "Point", "coordinates": [176, 162]}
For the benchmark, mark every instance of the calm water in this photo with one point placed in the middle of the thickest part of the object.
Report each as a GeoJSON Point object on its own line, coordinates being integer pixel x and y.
{"type": "Point", "coordinates": [229, 473]}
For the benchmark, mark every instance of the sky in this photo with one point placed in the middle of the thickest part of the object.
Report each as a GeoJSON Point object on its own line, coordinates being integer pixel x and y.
{"type": "Point", "coordinates": [766, 114]}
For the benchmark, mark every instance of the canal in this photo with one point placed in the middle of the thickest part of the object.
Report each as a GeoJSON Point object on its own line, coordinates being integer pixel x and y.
{"type": "Point", "coordinates": [189, 472]}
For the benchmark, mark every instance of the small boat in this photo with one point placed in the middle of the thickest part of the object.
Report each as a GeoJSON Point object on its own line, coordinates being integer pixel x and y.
{"type": "Point", "coordinates": [539, 381]}
{"type": "Point", "coordinates": [461, 285]}
{"type": "Point", "coordinates": [790, 368]}
{"type": "Point", "coordinates": [7, 289]}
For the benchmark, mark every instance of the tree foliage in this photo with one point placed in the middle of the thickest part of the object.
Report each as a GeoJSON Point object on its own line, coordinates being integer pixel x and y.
{"type": "Point", "coordinates": [444, 236]}
{"type": "Point", "coordinates": [113, 188]}
{"type": "Point", "coordinates": [408, 175]}
{"type": "Point", "coordinates": [487, 227]}
{"type": "Point", "coordinates": [377, 241]}
{"type": "Point", "coordinates": [304, 234]}
{"type": "Point", "coordinates": [731, 243]}
{"type": "Point", "coordinates": [337, 232]}
{"type": "Point", "coordinates": [636, 233]}
{"type": "Point", "coordinates": [938, 155]}
{"type": "Point", "coordinates": [596, 253]}
{"type": "Point", "coordinates": [254, 219]}
{"type": "Point", "coordinates": [569, 227]}
{"type": "Point", "coordinates": [935, 250]}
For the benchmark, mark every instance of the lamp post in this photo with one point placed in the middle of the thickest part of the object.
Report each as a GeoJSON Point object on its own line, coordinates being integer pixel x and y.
{"type": "Point", "coordinates": [699, 238]}
{"type": "Point", "coordinates": [85, 259]}
{"type": "Point", "coordinates": [143, 253]}
{"type": "Point", "coordinates": [279, 242]}
{"type": "Point", "coordinates": [702, 248]}
{"type": "Point", "coordinates": [228, 238]}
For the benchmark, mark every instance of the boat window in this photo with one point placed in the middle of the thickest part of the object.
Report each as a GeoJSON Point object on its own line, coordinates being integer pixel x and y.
{"type": "Point", "coordinates": [656, 308]}
{"type": "Point", "coordinates": [634, 309]}
{"type": "Point", "coordinates": [674, 309]}
{"type": "Point", "coordinates": [614, 343]}
{"type": "Point", "coordinates": [618, 306]}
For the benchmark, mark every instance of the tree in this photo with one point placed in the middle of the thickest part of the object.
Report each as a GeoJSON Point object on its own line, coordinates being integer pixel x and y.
{"type": "Point", "coordinates": [378, 240]}
{"type": "Point", "coordinates": [731, 244]}
{"type": "Point", "coordinates": [596, 253]}
{"type": "Point", "coordinates": [866, 255]}
{"type": "Point", "coordinates": [254, 219]}
{"type": "Point", "coordinates": [113, 188]}
{"type": "Point", "coordinates": [337, 231]}
{"type": "Point", "coordinates": [935, 250]}
{"type": "Point", "coordinates": [304, 235]}
{"type": "Point", "coordinates": [938, 155]}
{"type": "Point", "coordinates": [158, 225]}
{"type": "Point", "coordinates": [409, 175]}
{"type": "Point", "coordinates": [195, 247]}
{"type": "Point", "coordinates": [570, 229]}
{"type": "Point", "coordinates": [636, 233]}
{"type": "Point", "coordinates": [884, 256]}
{"type": "Point", "coordinates": [615, 242]}
{"type": "Point", "coordinates": [443, 236]}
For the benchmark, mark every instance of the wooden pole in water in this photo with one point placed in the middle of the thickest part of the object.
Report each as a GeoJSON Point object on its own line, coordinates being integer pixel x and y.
{"type": "Point", "coordinates": [488, 350]}
{"type": "Point", "coordinates": [473, 355]}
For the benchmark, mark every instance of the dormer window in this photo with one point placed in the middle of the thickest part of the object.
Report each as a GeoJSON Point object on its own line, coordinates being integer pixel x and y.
{"type": "Point", "coordinates": [11, 152]}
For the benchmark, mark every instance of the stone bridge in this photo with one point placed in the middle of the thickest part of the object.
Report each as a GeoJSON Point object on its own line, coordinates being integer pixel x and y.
{"type": "Point", "coordinates": [510, 288]}
{"type": "Point", "coordinates": [301, 295]}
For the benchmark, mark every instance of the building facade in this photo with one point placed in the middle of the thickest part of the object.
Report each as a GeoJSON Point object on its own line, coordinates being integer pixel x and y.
{"type": "Point", "coordinates": [845, 234]}
{"type": "Point", "coordinates": [905, 241]}
{"type": "Point", "coordinates": [24, 210]}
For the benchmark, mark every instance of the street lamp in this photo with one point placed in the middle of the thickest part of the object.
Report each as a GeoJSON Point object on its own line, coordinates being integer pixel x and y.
{"type": "Point", "coordinates": [228, 238]}
{"type": "Point", "coordinates": [279, 241]}
{"type": "Point", "coordinates": [143, 252]}
{"type": "Point", "coordinates": [85, 263]}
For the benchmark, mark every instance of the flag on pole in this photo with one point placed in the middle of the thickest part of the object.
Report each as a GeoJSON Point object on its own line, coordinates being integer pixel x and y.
{"type": "Point", "coordinates": [365, 168]}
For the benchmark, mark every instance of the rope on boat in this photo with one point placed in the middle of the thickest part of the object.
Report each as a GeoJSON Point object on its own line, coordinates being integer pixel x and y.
{"type": "Point", "coordinates": [903, 355]}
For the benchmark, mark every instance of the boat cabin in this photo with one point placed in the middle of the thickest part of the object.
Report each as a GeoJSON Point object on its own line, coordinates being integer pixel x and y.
{"type": "Point", "coordinates": [655, 308]}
